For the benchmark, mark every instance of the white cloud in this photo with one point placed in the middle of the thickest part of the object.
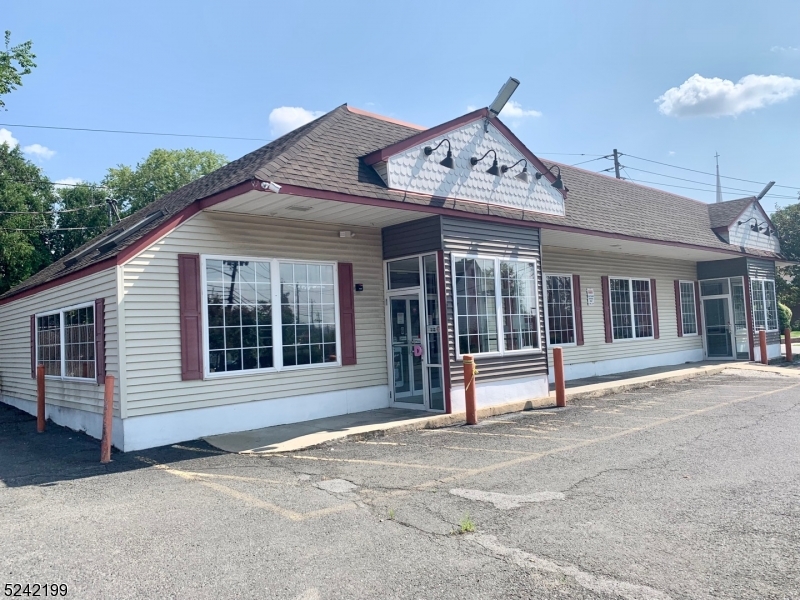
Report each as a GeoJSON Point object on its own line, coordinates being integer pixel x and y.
{"type": "Point", "coordinates": [39, 151]}
{"type": "Point", "coordinates": [790, 51]}
{"type": "Point", "coordinates": [671, 153]}
{"type": "Point", "coordinates": [286, 118]}
{"type": "Point", "coordinates": [67, 182]}
{"type": "Point", "coordinates": [7, 138]}
{"type": "Point", "coordinates": [513, 110]}
{"type": "Point", "coordinates": [701, 96]}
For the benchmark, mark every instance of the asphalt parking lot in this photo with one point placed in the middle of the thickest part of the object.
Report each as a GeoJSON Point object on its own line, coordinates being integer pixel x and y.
{"type": "Point", "coordinates": [681, 490]}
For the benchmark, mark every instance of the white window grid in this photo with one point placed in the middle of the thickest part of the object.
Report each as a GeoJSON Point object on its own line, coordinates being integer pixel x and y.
{"type": "Point", "coordinates": [560, 309]}
{"type": "Point", "coordinates": [72, 348]}
{"type": "Point", "coordinates": [688, 308]}
{"type": "Point", "coordinates": [765, 304]}
{"type": "Point", "coordinates": [488, 297]}
{"type": "Point", "coordinates": [631, 308]}
{"type": "Point", "coordinates": [298, 303]}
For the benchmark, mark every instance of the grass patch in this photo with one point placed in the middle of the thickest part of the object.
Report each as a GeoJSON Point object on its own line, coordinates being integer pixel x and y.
{"type": "Point", "coordinates": [391, 514]}
{"type": "Point", "coordinates": [466, 525]}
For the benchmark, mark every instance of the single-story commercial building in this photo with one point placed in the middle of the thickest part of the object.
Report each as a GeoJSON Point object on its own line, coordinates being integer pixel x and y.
{"type": "Point", "coordinates": [350, 264]}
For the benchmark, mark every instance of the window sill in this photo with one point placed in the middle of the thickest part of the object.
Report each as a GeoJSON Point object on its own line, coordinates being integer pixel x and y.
{"type": "Point", "coordinates": [72, 379]}
{"type": "Point", "coordinates": [639, 339]}
{"type": "Point", "coordinates": [460, 357]}
{"type": "Point", "coordinates": [250, 372]}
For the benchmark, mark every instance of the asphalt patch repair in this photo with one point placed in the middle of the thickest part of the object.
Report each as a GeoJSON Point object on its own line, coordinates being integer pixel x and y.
{"type": "Point", "coordinates": [679, 490]}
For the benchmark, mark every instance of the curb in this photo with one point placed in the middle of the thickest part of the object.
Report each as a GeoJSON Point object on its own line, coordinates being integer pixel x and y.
{"type": "Point", "coordinates": [583, 392]}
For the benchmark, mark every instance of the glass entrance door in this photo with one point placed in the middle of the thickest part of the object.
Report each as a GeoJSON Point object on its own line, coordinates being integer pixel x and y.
{"type": "Point", "coordinates": [407, 349]}
{"type": "Point", "coordinates": [741, 334]}
{"type": "Point", "coordinates": [718, 328]}
{"type": "Point", "coordinates": [414, 332]}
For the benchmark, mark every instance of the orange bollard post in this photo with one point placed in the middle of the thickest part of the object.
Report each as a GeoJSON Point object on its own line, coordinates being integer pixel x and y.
{"type": "Point", "coordinates": [40, 416]}
{"type": "Point", "coordinates": [108, 415]}
{"type": "Point", "coordinates": [762, 345]}
{"type": "Point", "coordinates": [469, 389]}
{"type": "Point", "coordinates": [787, 333]}
{"type": "Point", "coordinates": [561, 388]}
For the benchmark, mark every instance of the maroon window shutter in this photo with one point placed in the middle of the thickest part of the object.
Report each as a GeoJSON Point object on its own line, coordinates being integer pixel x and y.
{"type": "Point", "coordinates": [190, 316]}
{"type": "Point", "coordinates": [607, 309]}
{"type": "Point", "coordinates": [678, 307]}
{"type": "Point", "coordinates": [347, 313]}
{"type": "Point", "coordinates": [33, 346]}
{"type": "Point", "coordinates": [654, 298]}
{"type": "Point", "coordinates": [100, 339]}
{"type": "Point", "coordinates": [577, 300]}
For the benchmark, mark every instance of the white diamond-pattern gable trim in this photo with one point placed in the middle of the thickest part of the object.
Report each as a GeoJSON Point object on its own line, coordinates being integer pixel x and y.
{"type": "Point", "coordinates": [412, 171]}
{"type": "Point", "coordinates": [743, 236]}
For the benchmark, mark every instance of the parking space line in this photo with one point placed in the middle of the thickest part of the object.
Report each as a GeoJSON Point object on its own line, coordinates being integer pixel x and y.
{"type": "Point", "coordinates": [244, 497]}
{"type": "Point", "coordinates": [512, 435]}
{"type": "Point", "coordinates": [380, 463]}
{"type": "Point", "coordinates": [524, 459]}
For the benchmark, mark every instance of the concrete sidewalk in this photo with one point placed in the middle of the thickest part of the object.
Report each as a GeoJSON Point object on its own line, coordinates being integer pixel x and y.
{"type": "Point", "coordinates": [363, 425]}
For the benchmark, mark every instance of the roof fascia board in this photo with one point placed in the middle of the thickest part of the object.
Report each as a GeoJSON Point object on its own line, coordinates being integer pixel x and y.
{"type": "Point", "coordinates": [383, 154]}
{"type": "Point", "coordinates": [142, 243]}
{"type": "Point", "coordinates": [295, 190]}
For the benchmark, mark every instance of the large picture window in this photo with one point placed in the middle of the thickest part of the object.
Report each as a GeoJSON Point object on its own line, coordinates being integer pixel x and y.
{"type": "Point", "coordinates": [496, 303]}
{"type": "Point", "coordinates": [765, 304]}
{"type": "Point", "coordinates": [560, 310]}
{"type": "Point", "coordinates": [631, 308]}
{"type": "Point", "coordinates": [267, 314]}
{"type": "Point", "coordinates": [65, 343]}
{"type": "Point", "coordinates": [688, 308]}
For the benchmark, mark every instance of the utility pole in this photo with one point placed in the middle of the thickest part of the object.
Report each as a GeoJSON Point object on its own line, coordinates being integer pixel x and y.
{"type": "Point", "coordinates": [616, 163]}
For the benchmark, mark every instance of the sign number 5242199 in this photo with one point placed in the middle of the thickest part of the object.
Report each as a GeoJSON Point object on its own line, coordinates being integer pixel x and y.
{"type": "Point", "coordinates": [34, 590]}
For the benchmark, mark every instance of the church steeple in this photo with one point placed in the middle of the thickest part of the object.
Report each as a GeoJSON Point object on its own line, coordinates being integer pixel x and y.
{"type": "Point", "coordinates": [719, 186]}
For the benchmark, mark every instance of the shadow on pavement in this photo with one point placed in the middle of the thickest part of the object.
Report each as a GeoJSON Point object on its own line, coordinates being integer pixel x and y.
{"type": "Point", "coordinates": [60, 454]}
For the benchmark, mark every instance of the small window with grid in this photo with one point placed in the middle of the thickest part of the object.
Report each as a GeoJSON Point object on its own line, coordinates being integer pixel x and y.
{"type": "Point", "coordinates": [518, 293]}
{"type": "Point", "coordinates": [239, 310]}
{"type": "Point", "coordinates": [631, 308]}
{"type": "Point", "coordinates": [759, 312]}
{"type": "Point", "coordinates": [560, 310]}
{"type": "Point", "coordinates": [688, 308]}
{"type": "Point", "coordinates": [48, 343]}
{"type": "Point", "coordinates": [476, 303]}
{"type": "Point", "coordinates": [308, 314]}
{"type": "Point", "coordinates": [79, 343]}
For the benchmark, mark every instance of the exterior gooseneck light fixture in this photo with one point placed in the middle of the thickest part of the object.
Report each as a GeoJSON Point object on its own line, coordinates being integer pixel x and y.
{"type": "Point", "coordinates": [494, 169]}
{"type": "Point", "coordinates": [522, 175]}
{"type": "Point", "coordinates": [558, 184]}
{"type": "Point", "coordinates": [754, 226]}
{"type": "Point", "coordinates": [447, 161]}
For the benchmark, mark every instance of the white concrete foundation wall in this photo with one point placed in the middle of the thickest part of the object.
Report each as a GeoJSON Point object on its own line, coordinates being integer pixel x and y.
{"type": "Point", "coordinates": [149, 431]}
{"type": "Point", "coordinates": [500, 392]}
{"type": "Point", "coordinates": [773, 351]}
{"type": "Point", "coordinates": [90, 423]}
{"type": "Point", "coordinates": [621, 365]}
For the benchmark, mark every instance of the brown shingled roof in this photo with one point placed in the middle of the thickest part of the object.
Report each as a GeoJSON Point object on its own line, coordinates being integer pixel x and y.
{"type": "Point", "coordinates": [327, 154]}
{"type": "Point", "coordinates": [723, 214]}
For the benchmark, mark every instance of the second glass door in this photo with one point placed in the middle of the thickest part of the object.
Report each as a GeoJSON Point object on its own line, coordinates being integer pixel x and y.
{"type": "Point", "coordinates": [407, 349]}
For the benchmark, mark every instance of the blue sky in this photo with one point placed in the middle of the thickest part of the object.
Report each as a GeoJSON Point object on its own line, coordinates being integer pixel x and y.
{"type": "Point", "coordinates": [591, 75]}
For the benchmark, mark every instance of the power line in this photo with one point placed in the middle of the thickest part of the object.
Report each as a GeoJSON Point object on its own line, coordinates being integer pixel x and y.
{"type": "Point", "coordinates": [47, 229]}
{"type": "Point", "coordinates": [51, 212]}
{"type": "Point", "coordinates": [588, 161]}
{"type": "Point", "coordinates": [789, 187]}
{"type": "Point", "coordinates": [725, 187]}
{"type": "Point", "coordinates": [185, 135]}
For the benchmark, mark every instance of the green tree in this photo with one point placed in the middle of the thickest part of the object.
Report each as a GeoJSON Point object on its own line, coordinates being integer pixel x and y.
{"type": "Point", "coordinates": [787, 220]}
{"type": "Point", "coordinates": [163, 171]}
{"type": "Point", "coordinates": [81, 214]}
{"type": "Point", "coordinates": [11, 73]}
{"type": "Point", "coordinates": [26, 198]}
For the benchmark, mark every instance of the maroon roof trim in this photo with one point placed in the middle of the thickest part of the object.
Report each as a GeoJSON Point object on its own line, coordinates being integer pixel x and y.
{"type": "Point", "coordinates": [296, 190]}
{"type": "Point", "coordinates": [135, 248]}
{"type": "Point", "coordinates": [385, 153]}
{"type": "Point", "coordinates": [540, 166]}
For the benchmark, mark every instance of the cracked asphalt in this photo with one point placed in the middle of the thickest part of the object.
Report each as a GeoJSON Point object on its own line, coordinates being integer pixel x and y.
{"type": "Point", "coordinates": [681, 490]}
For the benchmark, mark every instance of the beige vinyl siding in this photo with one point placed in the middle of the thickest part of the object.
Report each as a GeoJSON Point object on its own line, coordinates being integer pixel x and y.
{"type": "Point", "coordinates": [15, 343]}
{"type": "Point", "coordinates": [152, 328]}
{"type": "Point", "coordinates": [591, 266]}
